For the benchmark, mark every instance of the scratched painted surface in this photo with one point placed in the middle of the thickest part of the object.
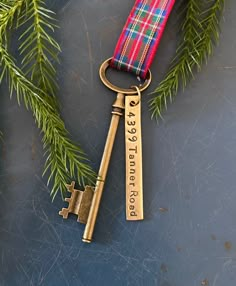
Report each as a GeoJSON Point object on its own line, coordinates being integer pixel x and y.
{"type": "Point", "coordinates": [189, 234]}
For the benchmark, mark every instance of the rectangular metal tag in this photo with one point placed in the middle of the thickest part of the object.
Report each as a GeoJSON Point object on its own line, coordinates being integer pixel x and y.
{"type": "Point", "coordinates": [133, 146]}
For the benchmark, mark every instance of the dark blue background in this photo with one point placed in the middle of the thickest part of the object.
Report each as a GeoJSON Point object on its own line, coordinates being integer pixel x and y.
{"type": "Point", "coordinates": [189, 234]}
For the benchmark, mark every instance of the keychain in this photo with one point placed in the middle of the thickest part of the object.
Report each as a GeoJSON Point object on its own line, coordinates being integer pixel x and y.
{"type": "Point", "coordinates": [134, 53]}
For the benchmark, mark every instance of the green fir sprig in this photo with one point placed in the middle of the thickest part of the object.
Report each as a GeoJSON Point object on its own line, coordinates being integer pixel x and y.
{"type": "Point", "coordinates": [34, 84]}
{"type": "Point", "coordinates": [200, 32]}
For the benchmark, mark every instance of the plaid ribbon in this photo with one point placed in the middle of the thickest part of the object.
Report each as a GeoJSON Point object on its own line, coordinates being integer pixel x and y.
{"type": "Point", "coordinates": [141, 35]}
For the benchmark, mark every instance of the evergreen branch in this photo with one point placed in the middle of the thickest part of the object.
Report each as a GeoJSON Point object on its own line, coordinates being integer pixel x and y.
{"type": "Point", "coordinates": [65, 160]}
{"type": "Point", "coordinates": [200, 30]}
{"type": "Point", "coordinates": [181, 64]}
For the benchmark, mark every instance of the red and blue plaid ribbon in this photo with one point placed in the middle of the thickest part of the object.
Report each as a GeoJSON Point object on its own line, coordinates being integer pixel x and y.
{"type": "Point", "coordinates": [141, 35]}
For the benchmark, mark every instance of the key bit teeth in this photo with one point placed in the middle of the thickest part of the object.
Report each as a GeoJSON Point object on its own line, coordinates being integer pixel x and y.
{"type": "Point", "coordinates": [70, 187]}
{"type": "Point", "coordinates": [79, 203]}
{"type": "Point", "coordinates": [64, 213]}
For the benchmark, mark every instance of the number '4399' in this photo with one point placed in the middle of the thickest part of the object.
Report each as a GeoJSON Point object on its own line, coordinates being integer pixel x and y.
{"type": "Point", "coordinates": [132, 129]}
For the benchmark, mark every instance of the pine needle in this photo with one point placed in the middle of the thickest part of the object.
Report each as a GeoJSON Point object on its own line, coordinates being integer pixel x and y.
{"type": "Point", "coordinates": [39, 49]}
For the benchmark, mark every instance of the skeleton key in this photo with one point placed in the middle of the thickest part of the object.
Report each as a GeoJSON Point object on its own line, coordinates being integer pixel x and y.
{"type": "Point", "coordinates": [86, 203]}
{"type": "Point", "coordinates": [117, 112]}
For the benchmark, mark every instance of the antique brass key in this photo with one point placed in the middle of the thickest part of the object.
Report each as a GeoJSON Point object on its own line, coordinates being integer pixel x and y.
{"type": "Point", "coordinates": [117, 112]}
{"type": "Point", "coordinates": [86, 203]}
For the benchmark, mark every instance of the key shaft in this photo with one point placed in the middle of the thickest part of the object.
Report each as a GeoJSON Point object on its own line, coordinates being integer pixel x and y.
{"type": "Point", "coordinates": [117, 112]}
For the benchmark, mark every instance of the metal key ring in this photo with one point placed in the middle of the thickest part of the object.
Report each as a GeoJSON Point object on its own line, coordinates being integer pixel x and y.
{"type": "Point", "coordinates": [102, 72]}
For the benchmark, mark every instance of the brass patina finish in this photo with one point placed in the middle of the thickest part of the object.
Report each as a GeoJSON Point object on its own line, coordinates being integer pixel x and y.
{"type": "Point", "coordinates": [86, 203]}
{"type": "Point", "coordinates": [117, 112]}
{"type": "Point", "coordinates": [133, 154]}
{"type": "Point", "coordinates": [79, 203]}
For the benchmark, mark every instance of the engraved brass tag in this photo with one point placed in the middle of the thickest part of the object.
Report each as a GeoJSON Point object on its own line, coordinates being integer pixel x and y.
{"type": "Point", "coordinates": [133, 146]}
